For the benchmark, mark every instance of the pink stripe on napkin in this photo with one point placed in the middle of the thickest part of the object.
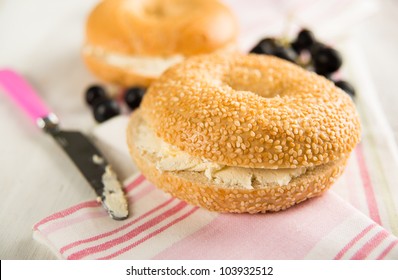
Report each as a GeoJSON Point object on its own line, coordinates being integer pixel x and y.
{"type": "Point", "coordinates": [353, 241]}
{"type": "Point", "coordinates": [142, 228]}
{"type": "Point", "coordinates": [66, 212]}
{"type": "Point", "coordinates": [387, 250]}
{"type": "Point", "coordinates": [370, 245]}
{"type": "Point", "coordinates": [98, 237]}
{"type": "Point", "coordinates": [150, 235]}
{"type": "Point", "coordinates": [367, 185]}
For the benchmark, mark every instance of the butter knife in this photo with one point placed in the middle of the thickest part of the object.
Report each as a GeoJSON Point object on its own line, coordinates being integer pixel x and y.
{"type": "Point", "coordinates": [88, 159]}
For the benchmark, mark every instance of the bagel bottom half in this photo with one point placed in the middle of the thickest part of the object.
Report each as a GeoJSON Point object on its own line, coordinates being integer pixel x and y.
{"type": "Point", "coordinates": [195, 188]}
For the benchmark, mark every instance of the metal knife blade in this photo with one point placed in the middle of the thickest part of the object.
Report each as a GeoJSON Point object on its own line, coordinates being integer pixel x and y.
{"type": "Point", "coordinates": [97, 171]}
{"type": "Point", "coordinates": [83, 153]}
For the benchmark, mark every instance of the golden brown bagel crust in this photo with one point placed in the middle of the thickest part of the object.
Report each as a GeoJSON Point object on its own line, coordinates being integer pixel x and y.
{"type": "Point", "coordinates": [161, 27]}
{"type": "Point", "coordinates": [198, 190]}
{"type": "Point", "coordinates": [251, 111]}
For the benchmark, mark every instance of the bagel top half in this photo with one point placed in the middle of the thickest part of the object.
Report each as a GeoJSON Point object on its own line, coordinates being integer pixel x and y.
{"type": "Point", "coordinates": [134, 41]}
{"type": "Point", "coordinates": [252, 111]}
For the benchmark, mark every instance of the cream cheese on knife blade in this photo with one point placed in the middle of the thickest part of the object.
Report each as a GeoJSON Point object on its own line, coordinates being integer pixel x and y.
{"type": "Point", "coordinates": [113, 197]}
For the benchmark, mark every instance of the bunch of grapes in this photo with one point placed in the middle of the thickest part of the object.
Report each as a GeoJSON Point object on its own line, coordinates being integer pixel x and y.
{"type": "Point", "coordinates": [104, 107]}
{"type": "Point", "coordinates": [309, 53]}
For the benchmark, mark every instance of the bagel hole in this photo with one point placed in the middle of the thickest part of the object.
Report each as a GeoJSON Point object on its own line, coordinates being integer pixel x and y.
{"type": "Point", "coordinates": [155, 11]}
{"type": "Point", "coordinates": [162, 9]}
{"type": "Point", "coordinates": [252, 80]}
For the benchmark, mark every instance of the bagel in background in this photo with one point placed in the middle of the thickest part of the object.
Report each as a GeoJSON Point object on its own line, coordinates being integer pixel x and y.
{"type": "Point", "coordinates": [131, 42]}
{"type": "Point", "coordinates": [243, 133]}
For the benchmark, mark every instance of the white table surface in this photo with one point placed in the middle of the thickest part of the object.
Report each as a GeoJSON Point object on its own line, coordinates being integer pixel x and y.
{"type": "Point", "coordinates": [36, 178]}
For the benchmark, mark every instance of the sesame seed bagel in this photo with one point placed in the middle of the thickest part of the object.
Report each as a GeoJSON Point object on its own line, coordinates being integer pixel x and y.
{"type": "Point", "coordinates": [242, 133]}
{"type": "Point", "coordinates": [196, 189]}
{"type": "Point", "coordinates": [131, 42]}
{"type": "Point", "coordinates": [252, 111]}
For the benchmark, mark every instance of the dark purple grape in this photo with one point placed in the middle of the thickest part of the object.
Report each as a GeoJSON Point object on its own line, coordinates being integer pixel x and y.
{"type": "Point", "coordinates": [265, 46]}
{"type": "Point", "coordinates": [305, 39]}
{"type": "Point", "coordinates": [133, 97]}
{"type": "Point", "coordinates": [346, 86]}
{"type": "Point", "coordinates": [270, 46]}
{"type": "Point", "coordinates": [326, 60]}
{"type": "Point", "coordinates": [94, 94]}
{"type": "Point", "coordinates": [315, 47]}
{"type": "Point", "coordinates": [106, 109]}
{"type": "Point", "coordinates": [286, 54]}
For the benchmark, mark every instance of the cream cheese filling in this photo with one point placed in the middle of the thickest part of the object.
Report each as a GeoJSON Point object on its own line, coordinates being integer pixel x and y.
{"type": "Point", "coordinates": [170, 158]}
{"type": "Point", "coordinates": [113, 195]}
{"type": "Point", "coordinates": [152, 66]}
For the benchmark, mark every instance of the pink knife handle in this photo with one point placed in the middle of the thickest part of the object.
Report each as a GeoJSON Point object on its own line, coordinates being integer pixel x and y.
{"type": "Point", "coordinates": [23, 94]}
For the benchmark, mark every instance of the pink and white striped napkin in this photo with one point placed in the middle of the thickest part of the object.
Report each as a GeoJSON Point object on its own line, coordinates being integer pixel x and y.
{"type": "Point", "coordinates": [357, 219]}
{"type": "Point", "coordinates": [163, 227]}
